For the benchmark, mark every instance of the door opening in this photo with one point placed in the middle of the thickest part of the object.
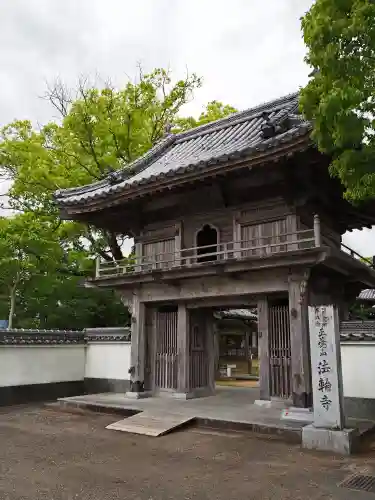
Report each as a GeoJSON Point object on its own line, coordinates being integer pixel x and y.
{"type": "Point", "coordinates": [207, 238]}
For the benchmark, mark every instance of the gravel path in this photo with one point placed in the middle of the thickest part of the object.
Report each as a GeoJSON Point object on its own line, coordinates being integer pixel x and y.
{"type": "Point", "coordinates": [51, 455]}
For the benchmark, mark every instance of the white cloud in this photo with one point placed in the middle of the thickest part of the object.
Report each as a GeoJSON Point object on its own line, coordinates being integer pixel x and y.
{"type": "Point", "coordinates": [246, 51]}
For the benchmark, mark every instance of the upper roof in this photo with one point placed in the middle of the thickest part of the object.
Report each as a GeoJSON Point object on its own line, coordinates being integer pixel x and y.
{"type": "Point", "coordinates": [239, 135]}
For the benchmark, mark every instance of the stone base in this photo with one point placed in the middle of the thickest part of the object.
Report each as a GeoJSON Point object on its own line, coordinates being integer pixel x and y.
{"type": "Point", "coordinates": [272, 403]}
{"type": "Point", "coordinates": [337, 441]}
{"type": "Point", "coordinates": [298, 414]}
{"type": "Point", "coordinates": [202, 392]}
{"type": "Point", "coordinates": [138, 395]}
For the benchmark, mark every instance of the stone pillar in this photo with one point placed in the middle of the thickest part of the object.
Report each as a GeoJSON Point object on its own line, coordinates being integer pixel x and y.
{"type": "Point", "coordinates": [299, 338]}
{"type": "Point", "coordinates": [137, 369]}
{"type": "Point", "coordinates": [264, 353]}
{"type": "Point", "coordinates": [183, 336]}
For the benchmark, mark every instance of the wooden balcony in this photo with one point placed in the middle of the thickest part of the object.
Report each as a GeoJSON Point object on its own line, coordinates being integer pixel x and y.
{"type": "Point", "coordinates": [190, 258]}
{"type": "Point", "coordinates": [235, 251]}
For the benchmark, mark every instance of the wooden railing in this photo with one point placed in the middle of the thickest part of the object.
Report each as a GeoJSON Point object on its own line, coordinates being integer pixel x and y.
{"type": "Point", "coordinates": [356, 255]}
{"type": "Point", "coordinates": [196, 256]}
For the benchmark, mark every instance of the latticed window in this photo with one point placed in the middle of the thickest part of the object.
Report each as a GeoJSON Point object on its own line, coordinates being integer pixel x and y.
{"type": "Point", "coordinates": [158, 254]}
{"type": "Point", "coordinates": [265, 238]}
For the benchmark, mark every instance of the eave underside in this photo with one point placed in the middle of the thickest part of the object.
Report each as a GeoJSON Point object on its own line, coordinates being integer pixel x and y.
{"type": "Point", "coordinates": [302, 179]}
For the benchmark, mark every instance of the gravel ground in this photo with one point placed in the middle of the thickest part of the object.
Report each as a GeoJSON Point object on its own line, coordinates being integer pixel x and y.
{"type": "Point", "coordinates": [51, 455]}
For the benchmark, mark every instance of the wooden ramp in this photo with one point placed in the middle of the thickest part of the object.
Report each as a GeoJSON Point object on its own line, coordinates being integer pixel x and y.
{"type": "Point", "coordinates": [151, 423]}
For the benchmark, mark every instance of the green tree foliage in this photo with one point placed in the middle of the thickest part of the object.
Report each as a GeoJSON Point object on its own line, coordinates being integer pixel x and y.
{"type": "Point", "coordinates": [214, 110]}
{"type": "Point", "coordinates": [26, 250]}
{"type": "Point", "coordinates": [340, 97]}
{"type": "Point", "coordinates": [41, 280]}
{"type": "Point", "coordinates": [97, 131]}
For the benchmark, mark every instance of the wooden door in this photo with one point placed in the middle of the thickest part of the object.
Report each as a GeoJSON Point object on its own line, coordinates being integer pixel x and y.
{"type": "Point", "coordinates": [280, 351]}
{"type": "Point", "coordinates": [198, 353]}
{"type": "Point", "coordinates": [165, 372]}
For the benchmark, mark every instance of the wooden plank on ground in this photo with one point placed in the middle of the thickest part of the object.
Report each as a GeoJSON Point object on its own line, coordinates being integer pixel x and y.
{"type": "Point", "coordinates": [151, 423]}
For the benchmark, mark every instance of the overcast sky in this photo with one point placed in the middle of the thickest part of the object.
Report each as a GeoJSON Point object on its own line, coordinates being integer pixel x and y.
{"type": "Point", "coordinates": [247, 51]}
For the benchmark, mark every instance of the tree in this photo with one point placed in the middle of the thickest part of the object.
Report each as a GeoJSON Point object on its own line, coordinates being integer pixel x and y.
{"type": "Point", "coordinates": [41, 277]}
{"type": "Point", "coordinates": [97, 131]}
{"type": "Point", "coordinates": [214, 110]}
{"type": "Point", "coordinates": [101, 130]}
{"type": "Point", "coordinates": [340, 97]}
{"type": "Point", "coordinates": [26, 250]}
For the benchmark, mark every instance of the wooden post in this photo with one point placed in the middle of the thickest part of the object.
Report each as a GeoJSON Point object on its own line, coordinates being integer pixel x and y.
{"type": "Point", "coordinates": [236, 239]}
{"type": "Point", "coordinates": [177, 242]}
{"type": "Point", "coordinates": [247, 353]}
{"type": "Point", "coordinates": [210, 339]}
{"type": "Point", "coordinates": [299, 337]}
{"type": "Point", "coordinates": [317, 231]}
{"type": "Point", "coordinates": [138, 345]}
{"type": "Point", "coordinates": [183, 336]}
{"type": "Point", "coordinates": [264, 359]}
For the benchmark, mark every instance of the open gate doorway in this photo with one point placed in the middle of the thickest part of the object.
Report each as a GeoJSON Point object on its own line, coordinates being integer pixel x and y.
{"type": "Point", "coordinates": [164, 355]}
{"type": "Point", "coordinates": [279, 345]}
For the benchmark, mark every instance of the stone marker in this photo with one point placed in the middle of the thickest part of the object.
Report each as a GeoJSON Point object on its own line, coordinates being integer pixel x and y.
{"type": "Point", "coordinates": [327, 430]}
{"type": "Point", "coordinates": [326, 367]}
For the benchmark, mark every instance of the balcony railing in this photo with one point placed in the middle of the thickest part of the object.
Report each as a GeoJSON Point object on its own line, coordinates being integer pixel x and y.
{"type": "Point", "coordinates": [356, 255]}
{"type": "Point", "coordinates": [197, 256]}
{"type": "Point", "coordinates": [260, 247]}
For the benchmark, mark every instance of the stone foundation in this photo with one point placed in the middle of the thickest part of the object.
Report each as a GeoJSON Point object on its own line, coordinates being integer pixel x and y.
{"type": "Point", "coordinates": [336, 441]}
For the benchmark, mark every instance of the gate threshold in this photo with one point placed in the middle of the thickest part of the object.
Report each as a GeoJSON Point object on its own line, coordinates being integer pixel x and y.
{"type": "Point", "coordinates": [151, 423]}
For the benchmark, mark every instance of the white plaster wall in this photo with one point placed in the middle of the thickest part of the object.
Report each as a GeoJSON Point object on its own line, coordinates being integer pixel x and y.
{"type": "Point", "coordinates": [22, 365]}
{"type": "Point", "coordinates": [108, 360]}
{"type": "Point", "coordinates": [358, 369]}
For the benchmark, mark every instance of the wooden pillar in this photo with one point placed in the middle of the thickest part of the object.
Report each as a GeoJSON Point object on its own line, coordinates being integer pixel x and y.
{"type": "Point", "coordinates": [299, 337]}
{"type": "Point", "coordinates": [183, 336]}
{"type": "Point", "coordinates": [138, 345]}
{"type": "Point", "coordinates": [264, 361]}
{"type": "Point", "coordinates": [247, 352]}
{"type": "Point", "coordinates": [210, 345]}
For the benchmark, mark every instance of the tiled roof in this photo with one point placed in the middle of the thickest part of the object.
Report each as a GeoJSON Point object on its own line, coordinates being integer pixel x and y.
{"type": "Point", "coordinates": [239, 135]}
{"type": "Point", "coordinates": [368, 295]}
{"type": "Point", "coordinates": [352, 331]}
{"type": "Point", "coordinates": [248, 314]}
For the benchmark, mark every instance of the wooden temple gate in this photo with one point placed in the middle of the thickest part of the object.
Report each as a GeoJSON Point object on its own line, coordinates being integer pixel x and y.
{"type": "Point", "coordinates": [279, 351]}
{"type": "Point", "coordinates": [162, 351]}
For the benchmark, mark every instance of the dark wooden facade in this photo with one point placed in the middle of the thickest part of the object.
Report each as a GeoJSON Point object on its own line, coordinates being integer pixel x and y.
{"type": "Point", "coordinates": [239, 213]}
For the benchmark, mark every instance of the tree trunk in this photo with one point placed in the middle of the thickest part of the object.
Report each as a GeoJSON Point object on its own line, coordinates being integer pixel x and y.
{"type": "Point", "coordinates": [12, 299]}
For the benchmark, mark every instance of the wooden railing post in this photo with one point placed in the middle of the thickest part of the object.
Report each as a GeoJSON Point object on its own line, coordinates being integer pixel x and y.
{"type": "Point", "coordinates": [317, 233]}
{"type": "Point", "coordinates": [138, 257]}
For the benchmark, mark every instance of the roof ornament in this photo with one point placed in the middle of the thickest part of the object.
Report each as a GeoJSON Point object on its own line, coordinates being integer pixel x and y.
{"type": "Point", "coordinates": [167, 129]}
{"type": "Point", "coordinates": [112, 176]}
{"type": "Point", "coordinates": [268, 129]}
